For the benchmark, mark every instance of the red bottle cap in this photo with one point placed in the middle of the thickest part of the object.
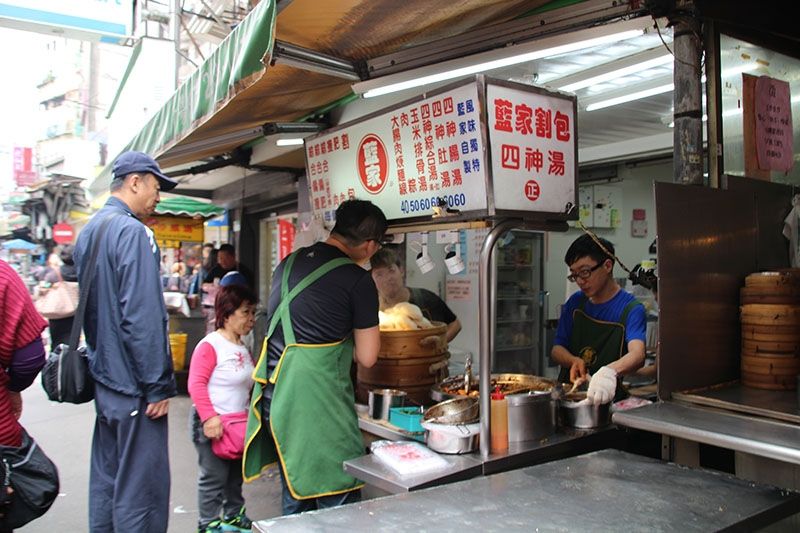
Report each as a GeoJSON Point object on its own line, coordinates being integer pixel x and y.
{"type": "Point", "coordinates": [497, 394]}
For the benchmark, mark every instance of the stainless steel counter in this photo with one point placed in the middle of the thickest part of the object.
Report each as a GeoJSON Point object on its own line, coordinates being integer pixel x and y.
{"type": "Point", "coordinates": [767, 438]}
{"type": "Point", "coordinates": [564, 443]}
{"type": "Point", "coordinates": [607, 490]}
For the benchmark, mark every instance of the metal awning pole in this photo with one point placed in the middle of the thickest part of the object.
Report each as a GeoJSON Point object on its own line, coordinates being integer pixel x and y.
{"type": "Point", "coordinates": [487, 301]}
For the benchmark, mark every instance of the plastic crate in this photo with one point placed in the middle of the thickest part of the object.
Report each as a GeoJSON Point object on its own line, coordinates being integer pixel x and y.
{"type": "Point", "coordinates": [407, 418]}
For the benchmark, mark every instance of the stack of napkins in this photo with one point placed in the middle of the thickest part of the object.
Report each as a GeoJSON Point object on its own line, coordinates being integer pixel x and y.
{"type": "Point", "coordinates": [407, 458]}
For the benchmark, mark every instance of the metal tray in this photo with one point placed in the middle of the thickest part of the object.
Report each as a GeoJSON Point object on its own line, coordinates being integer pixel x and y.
{"type": "Point", "coordinates": [509, 383]}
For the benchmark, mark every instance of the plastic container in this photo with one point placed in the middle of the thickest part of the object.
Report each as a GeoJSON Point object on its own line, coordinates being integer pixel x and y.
{"type": "Point", "coordinates": [407, 418]}
{"type": "Point", "coordinates": [177, 345]}
{"type": "Point", "coordinates": [499, 422]}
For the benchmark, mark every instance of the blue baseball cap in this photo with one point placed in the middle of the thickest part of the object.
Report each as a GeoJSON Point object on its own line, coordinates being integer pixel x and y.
{"type": "Point", "coordinates": [233, 278]}
{"type": "Point", "coordinates": [139, 162]}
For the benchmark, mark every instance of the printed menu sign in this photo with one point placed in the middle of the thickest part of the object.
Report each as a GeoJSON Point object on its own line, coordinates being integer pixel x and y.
{"type": "Point", "coordinates": [533, 149]}
{"type": "Point", "coordinates": [404, 160]}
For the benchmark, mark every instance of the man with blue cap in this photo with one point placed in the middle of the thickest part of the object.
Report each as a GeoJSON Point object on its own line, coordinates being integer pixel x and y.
{"type": "Point", "coordinates": [127, 341]}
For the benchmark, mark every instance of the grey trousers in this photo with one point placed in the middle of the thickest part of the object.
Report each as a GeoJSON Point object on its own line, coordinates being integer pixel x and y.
{"type": "Point", "coordinates": [219, 481]}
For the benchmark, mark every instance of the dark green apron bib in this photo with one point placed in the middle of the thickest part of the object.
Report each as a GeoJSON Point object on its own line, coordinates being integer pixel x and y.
{"type": "Point", "coordinates": [597, 342]}
{"type": "Point", "coordinates": [313, 424]}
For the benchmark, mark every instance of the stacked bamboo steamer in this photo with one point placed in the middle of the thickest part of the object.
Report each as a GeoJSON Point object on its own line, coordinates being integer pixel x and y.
{"type": "Point", "coordinates": [770, 317]}
{"type": "Point", "coordinates": [406, 365]}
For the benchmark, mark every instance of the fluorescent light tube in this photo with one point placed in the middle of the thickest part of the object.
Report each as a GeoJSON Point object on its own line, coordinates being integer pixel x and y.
{"type": "Point", "coordinates": [630, 97]}
{"type": "Point", "coordinates": [289, 142]}
{"type": "Point", "coordinates": [618, 73]}
{"type": "Point", "coordinates": [494, 59]}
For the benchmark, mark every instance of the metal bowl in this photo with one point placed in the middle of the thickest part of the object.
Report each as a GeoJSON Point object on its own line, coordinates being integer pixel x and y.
{"type": "Point", "coordinates": [584, 415]}
{"type": "Point", "coordinates": [455, 411]}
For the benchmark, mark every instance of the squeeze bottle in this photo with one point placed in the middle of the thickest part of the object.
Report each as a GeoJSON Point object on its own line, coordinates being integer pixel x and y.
{"type": "Point", "coordinates": [499, 423]}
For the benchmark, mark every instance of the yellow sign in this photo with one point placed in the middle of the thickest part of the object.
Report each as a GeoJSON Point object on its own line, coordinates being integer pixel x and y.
{"type": "Point", "coordinates": [176, 228]}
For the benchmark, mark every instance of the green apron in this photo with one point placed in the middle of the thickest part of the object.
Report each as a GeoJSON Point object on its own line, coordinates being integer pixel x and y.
{"type": "Point", "coordinates": [597, 342]}
{"type": "Point", "coordinates": [312, 421]}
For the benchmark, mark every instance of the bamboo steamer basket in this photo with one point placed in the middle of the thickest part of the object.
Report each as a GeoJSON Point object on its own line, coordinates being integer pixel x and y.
{"type": "Point", "coordinates": [770, 319]}
{"type": "Point", "coordinates": [406, 365]}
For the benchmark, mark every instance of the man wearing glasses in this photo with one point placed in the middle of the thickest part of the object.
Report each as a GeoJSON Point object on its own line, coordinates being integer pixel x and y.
{"type": "Point", "coordinates": [601, 331]}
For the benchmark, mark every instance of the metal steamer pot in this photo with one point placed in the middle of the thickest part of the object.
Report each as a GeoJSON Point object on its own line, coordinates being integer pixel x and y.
{"type": "Point", "coordinates": [531, 416]}
{"type": "Point", "coordinates": [381, 400]}
{"type": "Point", "coordinates": [451, 426]}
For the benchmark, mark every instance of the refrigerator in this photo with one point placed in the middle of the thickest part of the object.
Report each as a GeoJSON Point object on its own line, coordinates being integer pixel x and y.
{"type": "Point", "coordinates": [518, 277]}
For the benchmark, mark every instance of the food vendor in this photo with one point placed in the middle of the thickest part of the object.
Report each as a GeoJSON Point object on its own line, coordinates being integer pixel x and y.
{"type": "Point", "coordinates": [389, 277]}
{"type": "Point", "coordinates": [602, 329]}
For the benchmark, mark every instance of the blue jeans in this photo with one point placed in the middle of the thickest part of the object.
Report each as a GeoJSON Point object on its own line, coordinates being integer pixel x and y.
{"type": "Point", "coordinates": [293, 506]}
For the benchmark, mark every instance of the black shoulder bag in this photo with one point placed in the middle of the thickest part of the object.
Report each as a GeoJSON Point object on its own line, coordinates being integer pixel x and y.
{"type": "Point", "coordinates": [66, 376]}
{"type": "Point", "coordinates": [33, 478]}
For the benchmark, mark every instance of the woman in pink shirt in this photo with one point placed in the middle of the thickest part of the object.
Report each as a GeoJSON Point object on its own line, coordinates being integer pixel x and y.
{"type": "Point", "coordinates": [219, 384]}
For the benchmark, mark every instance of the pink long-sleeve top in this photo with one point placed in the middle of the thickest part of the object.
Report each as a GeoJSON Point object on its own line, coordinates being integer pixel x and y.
{"type": "Point", "coordinates": [220, 376]}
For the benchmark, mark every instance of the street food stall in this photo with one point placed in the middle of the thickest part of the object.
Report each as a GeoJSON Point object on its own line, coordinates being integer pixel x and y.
{"type": "Point", "coordinates": [179, 224]}
{"type": "Point", "coordinates": [436, 163]}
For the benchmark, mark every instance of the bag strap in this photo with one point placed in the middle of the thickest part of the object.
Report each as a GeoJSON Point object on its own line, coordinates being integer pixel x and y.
{"type": "Point", "coordinates": [83, 288]}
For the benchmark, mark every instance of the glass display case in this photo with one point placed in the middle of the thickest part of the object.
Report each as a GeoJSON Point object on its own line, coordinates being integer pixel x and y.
{"type": "Point", "coordinates": [519, 310]}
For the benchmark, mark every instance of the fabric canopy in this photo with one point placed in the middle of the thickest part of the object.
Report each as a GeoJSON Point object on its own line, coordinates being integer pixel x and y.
{"type": "Point", "coordinates": [183, 206]}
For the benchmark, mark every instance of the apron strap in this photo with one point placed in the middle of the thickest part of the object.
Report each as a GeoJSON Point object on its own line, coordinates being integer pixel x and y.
{"type": "Point", "coordinates": [282, 313]}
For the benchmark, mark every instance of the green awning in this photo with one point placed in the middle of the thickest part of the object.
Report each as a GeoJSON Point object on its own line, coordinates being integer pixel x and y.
{"type": "Point", "coordinates": [183, 206]}
{"type": "Point", "coordinates": [235, 65]}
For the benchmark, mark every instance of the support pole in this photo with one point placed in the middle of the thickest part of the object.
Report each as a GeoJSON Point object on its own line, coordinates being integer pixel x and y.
{"type": "Point", "coordinates": [688, 114]}
{"type": "Point", "coordinates": [487, 300]}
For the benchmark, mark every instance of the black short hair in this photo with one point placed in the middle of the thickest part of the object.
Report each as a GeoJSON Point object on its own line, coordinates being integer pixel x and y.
{"type": "Point", "coordinates": [384, 258]}
{"type": "Point", "coordinates": [358, 221]}
{"type": "Point", "coordinates": [584, 246]}
{"type": "Point", "coordinates": [227, 248]}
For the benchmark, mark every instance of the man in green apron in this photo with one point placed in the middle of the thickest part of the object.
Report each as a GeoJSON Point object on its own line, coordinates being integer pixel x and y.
{"type": "Point", "coordinates": [602, 329]}
{"type": "Point", "coordinates": [323, 312]}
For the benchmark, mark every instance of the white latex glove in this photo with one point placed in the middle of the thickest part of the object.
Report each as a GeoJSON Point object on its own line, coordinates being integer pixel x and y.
{"type": "Point", "coordinates": [602, 386]}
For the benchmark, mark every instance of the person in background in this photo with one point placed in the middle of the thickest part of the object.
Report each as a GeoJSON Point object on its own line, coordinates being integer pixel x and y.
{"type": "Point", "coordinates": [389, 276]}
{"type": "Point", "coordinates": [126, 328]}
{"type": "Point", "coordinates": [307, 411]}
{"type": "Point", "coordinates": [60, 328]}
{"type": "Point", "coordinates": [226, 262]}
{"type": "Point", "coordinates": [21, 355]}
{"type": "Point", "coordinates": [207, 262]}
{"type": "Point", "coordinates": [219, 384]}
{"type": "Point", "coordinates": [52, 269]}
{"type": "Point", "coordinates": [601, 331]}
{"type": "Point", "coordinates": [178, 280]}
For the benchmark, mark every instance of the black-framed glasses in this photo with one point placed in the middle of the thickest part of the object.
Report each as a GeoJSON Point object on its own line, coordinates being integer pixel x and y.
{"type": "Point", "coordinates": [584, 273]}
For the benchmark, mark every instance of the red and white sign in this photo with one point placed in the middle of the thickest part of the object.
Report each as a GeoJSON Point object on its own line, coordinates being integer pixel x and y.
{"type": "Point", "coordinates": [286, 232]}
{"type": "Point", "coordinates": [63, 233]}
{"type": "Point", "coordinates": [773, 109]}
{"type": "Point", "coordinates": [24, 174]}
{"type": "Point", "coordinates": [373, 164]}
{"type": "Point", "coordinates": [532, 134]}
{"type": "Point", "coordinates": [405, 159]}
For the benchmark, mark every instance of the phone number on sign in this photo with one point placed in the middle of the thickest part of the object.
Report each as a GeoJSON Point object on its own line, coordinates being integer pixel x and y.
{"type": "Point", "coordinates": [426, 204]}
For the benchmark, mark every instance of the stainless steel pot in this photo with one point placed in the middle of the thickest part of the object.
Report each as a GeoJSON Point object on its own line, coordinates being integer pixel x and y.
{"type": "Point", "coordinates": [584, 415]}
{"type": "Point", "coordinates": [451, 439]}
{"type": "Point", "coordinates": [381, 400]}
{"type": "Point", "coordinates": [530, 416]}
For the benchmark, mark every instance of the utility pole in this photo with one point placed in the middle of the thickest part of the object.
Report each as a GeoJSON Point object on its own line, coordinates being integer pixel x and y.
{"type": "Point", "coordinates": [688, 103]}
{"type": "Point", "coordinates": [176, 37]}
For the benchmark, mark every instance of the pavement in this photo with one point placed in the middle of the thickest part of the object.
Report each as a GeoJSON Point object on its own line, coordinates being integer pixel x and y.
{"type": "Point", "coordinates": [64, 432]}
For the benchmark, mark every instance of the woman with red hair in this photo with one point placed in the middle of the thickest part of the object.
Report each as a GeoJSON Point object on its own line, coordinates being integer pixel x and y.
{"type": "Point", "coordinates": [219, 384]}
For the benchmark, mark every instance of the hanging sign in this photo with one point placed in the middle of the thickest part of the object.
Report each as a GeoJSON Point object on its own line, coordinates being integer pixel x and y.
{"type": "Point", "coordinates": [286, 233]}
{"type": "Point", "coordinates": [404, 159]}
{"type": "Point", "coordinates": [773, 125]}
{"type": "Point", "coordinates": [533, 140]}
{"type": "Point", "coordinates": [176, 228]}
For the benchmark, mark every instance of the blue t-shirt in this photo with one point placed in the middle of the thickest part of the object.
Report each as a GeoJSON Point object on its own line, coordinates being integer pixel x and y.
{"type": "Point", "coordinates": [610, 311]}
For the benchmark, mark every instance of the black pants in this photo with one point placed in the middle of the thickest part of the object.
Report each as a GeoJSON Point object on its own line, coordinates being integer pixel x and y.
{"type": "Point", "coordinates": [59, 331]}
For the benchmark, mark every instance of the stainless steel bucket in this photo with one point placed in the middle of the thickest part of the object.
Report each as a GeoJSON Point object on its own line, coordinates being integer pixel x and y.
{"type": "Point", "coordinates": [584, 415]}
{"type": "Point", "coordinates": [381, 400]}
{"type": "Point", "coordinates": [530, 416]}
